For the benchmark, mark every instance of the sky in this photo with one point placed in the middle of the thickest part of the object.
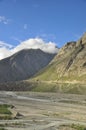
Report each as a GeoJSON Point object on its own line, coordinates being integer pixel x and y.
{"type": "Point", "coordinates": [42, 24]}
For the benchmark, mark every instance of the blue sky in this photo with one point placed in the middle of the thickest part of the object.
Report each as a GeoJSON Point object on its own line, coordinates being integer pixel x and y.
{"type": "Point", "coordinates": [58, 21]}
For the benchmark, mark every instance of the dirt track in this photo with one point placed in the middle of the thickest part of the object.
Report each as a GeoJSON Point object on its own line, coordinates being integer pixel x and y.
{"type": "Point", "coordinates": [44, 111]}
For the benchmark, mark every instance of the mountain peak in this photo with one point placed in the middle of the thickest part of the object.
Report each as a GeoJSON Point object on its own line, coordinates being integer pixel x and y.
{"type": "Point", "coordinates": [23, 64]}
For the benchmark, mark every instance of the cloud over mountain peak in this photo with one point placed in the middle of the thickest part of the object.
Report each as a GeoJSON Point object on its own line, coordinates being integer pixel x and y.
{"type": "Point", "coordinates": [32, 43]}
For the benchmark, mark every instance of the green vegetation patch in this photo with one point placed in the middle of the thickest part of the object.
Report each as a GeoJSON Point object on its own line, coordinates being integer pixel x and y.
{"type": "Point", "coordinates": [5, 113]}
{"type": "Point", "coordinates": [73, 127]}
{"type": "Point", "coordinates": [15, 124]}
{"type": "Point", "coordinates": [4, 109]}
{"type": "Point", "coordinates": [46, 86]}
{"type": "Point", "coordinates": [2, 129]}
{"type": "Point", "coordinates": [71, 102]}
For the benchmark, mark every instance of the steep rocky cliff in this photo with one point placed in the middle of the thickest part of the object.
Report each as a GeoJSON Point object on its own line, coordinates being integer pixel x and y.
{"type": "Point", "coordinates": [69, 64]}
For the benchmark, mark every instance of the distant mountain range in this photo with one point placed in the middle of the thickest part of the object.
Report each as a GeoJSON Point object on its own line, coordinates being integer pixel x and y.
{"type": "Point", "coordinates": [63, 72]}
{"type": "Point", "coordinates": [24, 64]}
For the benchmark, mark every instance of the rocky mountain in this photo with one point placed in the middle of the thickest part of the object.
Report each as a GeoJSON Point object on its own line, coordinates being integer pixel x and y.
{"type": "Point", "coordinates": [23, 64]}
{"type": "Point", "coordinates": [68, 65]}
{"type": "Point", "coordinates": [66, 73]}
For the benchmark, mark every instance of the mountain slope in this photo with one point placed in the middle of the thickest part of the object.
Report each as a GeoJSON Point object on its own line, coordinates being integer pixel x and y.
{"type": "Point", "coordinates": [68, 65]}
{"type": "Point", "coordinates": [66, 73]}
{"type": "Point", "coordinates": [23, 64]}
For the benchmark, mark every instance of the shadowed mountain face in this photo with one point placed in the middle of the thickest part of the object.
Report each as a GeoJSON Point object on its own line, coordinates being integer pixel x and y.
{"type": "Point", "coordinates": [23, 64]}
{"type": "Point", "coordinates": [69, 64]}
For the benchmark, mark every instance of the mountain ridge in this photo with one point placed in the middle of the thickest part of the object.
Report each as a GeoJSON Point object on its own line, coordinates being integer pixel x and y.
{"type": "Point", "coordinates": [68, 64]}
{"type": "Point", "coordinates": [23, 64]}
{"type": "Point", "coordinates": [66, 73]}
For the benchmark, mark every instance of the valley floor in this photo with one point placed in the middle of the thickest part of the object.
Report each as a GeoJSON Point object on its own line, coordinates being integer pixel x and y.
{"type": "Point", "coordinates": [43, 111]}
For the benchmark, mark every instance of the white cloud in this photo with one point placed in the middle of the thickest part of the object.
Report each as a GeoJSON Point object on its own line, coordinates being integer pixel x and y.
{"type": "Point", "coordinates": [36, 43]}
{"type": "Point", "coordinates": [3, 44]}
{"type": "Point", "coordinates": [33, 43]}
{"type": "Point", "coordinates": [5, 50]}
{"type": "Point", "coordinates": [4, 20]}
